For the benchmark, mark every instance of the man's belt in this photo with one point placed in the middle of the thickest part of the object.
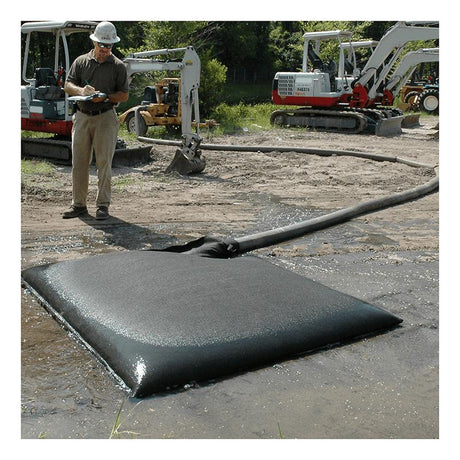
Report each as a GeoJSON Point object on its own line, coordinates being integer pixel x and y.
{"type": "Point", "coordinates": [94, 112]}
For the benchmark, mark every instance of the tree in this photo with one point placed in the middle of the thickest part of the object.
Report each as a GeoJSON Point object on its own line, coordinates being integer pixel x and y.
{"type": "Point", "coordinates": [285, 46]}
{"type": "Point", "coordinates": [143, 36]}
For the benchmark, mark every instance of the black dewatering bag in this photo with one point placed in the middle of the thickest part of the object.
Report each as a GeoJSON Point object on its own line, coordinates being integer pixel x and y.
{"type": "Point", "coordinates": [160, 319]}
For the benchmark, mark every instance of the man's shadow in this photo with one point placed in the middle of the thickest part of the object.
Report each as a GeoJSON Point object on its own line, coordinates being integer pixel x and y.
{"type": "Point", "coordinates": [130, 236]}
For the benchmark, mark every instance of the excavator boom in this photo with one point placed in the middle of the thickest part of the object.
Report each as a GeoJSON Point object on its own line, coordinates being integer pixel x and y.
{"type": "Point", "coordinates": [386, 53]}
{"type": "Point", "coordinates": [188, 159]}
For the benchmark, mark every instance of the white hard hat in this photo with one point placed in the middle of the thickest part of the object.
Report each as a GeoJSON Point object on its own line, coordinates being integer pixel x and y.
{"type": "Point", "coordinates": [105, 32]}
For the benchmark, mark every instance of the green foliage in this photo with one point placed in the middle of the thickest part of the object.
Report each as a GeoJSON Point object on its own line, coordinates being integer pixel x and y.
{"type": "Point", "coordinates": [36, 167]}
{"type": "Point", "coordinates": [285, 46]}
{"type": "Point", "coordinates": [247, 93]}
{"type": "Point", "coordinates": [243, 44]}
{"type": "Point", "coordinates": [172, 34]}
{"type": "Point", "coordinates": [212, 83]}
{"type": "Point", "coordinates": [234, 118]}
{"type": "Point", "coordinates": [231, 117]}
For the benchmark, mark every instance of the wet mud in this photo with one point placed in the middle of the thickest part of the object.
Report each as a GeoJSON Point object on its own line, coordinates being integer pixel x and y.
{"type": "Point", "coordinates": [381, 387]}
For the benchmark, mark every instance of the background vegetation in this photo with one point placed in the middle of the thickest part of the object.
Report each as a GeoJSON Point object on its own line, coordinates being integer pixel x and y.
{"type": "Point", "coordinates": [238, 58]}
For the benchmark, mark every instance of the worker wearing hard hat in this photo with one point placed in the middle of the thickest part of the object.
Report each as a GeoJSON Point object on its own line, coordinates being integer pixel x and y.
{"type": "Point", "coordinates": [100, 79]}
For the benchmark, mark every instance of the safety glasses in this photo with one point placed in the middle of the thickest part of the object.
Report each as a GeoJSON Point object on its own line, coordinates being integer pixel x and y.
{"type": "Point", "coordinates": [105, 45]}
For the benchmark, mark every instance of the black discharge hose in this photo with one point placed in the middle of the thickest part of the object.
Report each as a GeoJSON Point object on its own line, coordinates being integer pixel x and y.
{"type": "Point", "coordinates": [289, 232]}
{"type": "Point", "coordinates": [309, 151]}
{"type": "Point", "coordinates": [279, 235]}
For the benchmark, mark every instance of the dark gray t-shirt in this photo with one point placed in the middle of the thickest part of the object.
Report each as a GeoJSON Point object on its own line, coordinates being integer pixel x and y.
{"type": "Point", "coordinates": [107, 77]}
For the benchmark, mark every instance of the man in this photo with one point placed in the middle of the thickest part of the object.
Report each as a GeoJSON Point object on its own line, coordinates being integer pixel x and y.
{"type": "Point", "coordinates": [95, 122]}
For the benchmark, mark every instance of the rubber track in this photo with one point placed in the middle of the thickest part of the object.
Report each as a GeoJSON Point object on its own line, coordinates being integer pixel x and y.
{"type": "Point", "coordinates": [360, 119]}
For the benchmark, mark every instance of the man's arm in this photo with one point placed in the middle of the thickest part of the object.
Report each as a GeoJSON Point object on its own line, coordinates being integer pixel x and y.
{"type": "Point", "coordinates": [119, 96]}
{"type": "Point", "coordinates": [73, 90]}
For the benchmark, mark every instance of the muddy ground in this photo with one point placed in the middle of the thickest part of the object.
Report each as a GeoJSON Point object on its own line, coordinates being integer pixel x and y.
{"type": "Point", "coordinates": [381, 387]}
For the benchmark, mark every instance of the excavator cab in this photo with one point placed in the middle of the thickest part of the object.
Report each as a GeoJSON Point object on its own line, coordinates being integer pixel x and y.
{"type": "Point", "coordinates": [47, 89]}
{"type": "Point", "coordinates": [44, 104]}
{"type": "Point", "coordinates": [44, 76]}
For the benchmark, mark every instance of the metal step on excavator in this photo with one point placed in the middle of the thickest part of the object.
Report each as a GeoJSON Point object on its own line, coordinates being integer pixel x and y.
{"type": "Point", "coordinates": [344, 98]}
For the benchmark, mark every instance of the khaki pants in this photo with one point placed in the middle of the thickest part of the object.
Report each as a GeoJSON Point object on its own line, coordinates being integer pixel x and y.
{"type": "Point", "coordinates": [98, 132]}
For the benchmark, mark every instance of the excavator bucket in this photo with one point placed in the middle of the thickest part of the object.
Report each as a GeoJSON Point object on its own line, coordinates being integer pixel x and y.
{"type": "Point", "coordinates": [390, 126]}
{"type": "Point", "coordinates": [188, 159]}
{"type": "Point", "coordinates": [185, 165]}
{"type": "Point", "coordinates": [411, 120]}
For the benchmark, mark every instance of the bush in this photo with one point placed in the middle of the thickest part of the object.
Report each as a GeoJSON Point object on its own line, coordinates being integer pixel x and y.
{"type": "Point", "coordinates": [212, 83]}
{"type": "Point", "coordinates": [233, 118]}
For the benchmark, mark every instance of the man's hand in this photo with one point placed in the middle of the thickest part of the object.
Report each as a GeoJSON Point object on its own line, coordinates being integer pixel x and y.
{"type": "Point", "coordinates": [88, 90]}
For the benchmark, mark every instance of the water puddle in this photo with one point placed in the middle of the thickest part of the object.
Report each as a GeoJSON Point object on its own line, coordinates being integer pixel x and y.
{"type": "Point", "coordinates": [66, 393]}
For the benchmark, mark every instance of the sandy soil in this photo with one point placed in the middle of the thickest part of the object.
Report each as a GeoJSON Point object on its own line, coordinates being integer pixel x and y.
{"type": "Point", "coordinates": [386, 257]}
{"type": "Point", "coordinates": [235, 188]}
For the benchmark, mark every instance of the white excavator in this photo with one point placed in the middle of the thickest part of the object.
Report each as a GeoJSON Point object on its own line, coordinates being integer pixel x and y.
{"type": "Point", "coordinates": [408, 64]}
{"type": "Point", "coordinates": [46, 108]}
{"type": "Point", "coordinates": [421, 96]}
{"type": "Point", "coordinates": [400, 75]}
{"type": "Point", "coordinates": [333, 99]}
{"type": "Point", "coordinates": [188, 159]}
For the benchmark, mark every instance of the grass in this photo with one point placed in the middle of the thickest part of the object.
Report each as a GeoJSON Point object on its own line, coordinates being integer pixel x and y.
{"type": "Point", "coordinates": [280, 433]}
{"type": "Point", "coordinates": [115, 432]}
{"type": "Point", "coordinates": [33, 134]}
{"type": "Point", "coordinates": [122, 182]}
{"type": "Point", "coordinates": [37, 174]}
{"type": "Point", "coordinates": [232, 118]}
{"type": "Point", "coordinates": [36, 167]}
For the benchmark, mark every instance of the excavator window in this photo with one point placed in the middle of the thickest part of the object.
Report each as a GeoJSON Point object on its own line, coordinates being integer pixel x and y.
{"type": "Point", "coordinates": [44, 76]}
{"type": "Point", "coordinates": [46, 85]}
{"type": "Point", "coordinates": [348, 67]}
{"type": "Point", "coordinates": [315, 60]}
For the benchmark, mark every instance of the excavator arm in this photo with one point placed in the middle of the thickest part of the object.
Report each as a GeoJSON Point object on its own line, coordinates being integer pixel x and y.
{"type": "Point", "coordinates": [385, 56]}
{"type": "Point", "coordinates": [407, 66]}
{"type": "Point", "coordinates": [188, 159]}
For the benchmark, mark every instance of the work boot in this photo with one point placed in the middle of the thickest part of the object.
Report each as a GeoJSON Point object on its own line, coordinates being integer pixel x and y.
{"type": "Point", "coordinates": [102, 212]}
{"type": "Point", "coordinates": [74, 211]}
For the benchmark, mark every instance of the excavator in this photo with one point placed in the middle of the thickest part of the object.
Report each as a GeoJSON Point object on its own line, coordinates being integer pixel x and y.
{"type": "Point", "coordinates": [408, 64]}
{"type": "Point", "coordinates": [46, 108]}
{"type": "Point", "coordinates": [410, 95]}
{"type": "Point", "coordinates": [336, 98]}
{"type": "Point", "coordinates": [188, 158]}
